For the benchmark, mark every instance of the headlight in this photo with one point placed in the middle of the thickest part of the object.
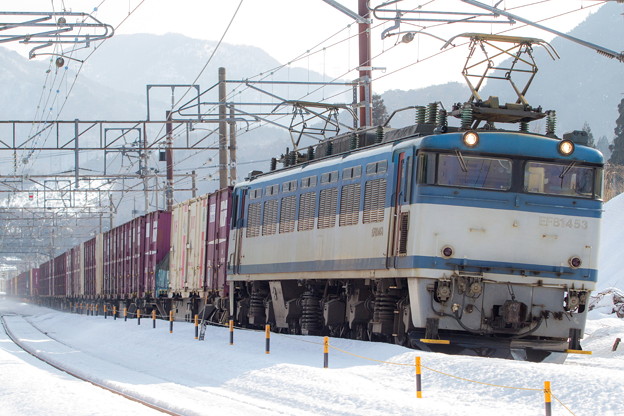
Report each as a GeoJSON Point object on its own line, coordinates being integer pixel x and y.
{"type": "Point", "coordinates": [566, 147]}
{"type": "Point", "coordinates": [471, 139]}
{"type": "Point", "coordinates": [575, 262]}
{"type": "Point", "coordinates": [447, 251]}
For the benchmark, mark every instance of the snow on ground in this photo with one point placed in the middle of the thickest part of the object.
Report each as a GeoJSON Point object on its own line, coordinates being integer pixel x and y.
{"type": "Point", "coordinates": [202, 377]}
{"type": "Point", "coordinates": [610, 260]}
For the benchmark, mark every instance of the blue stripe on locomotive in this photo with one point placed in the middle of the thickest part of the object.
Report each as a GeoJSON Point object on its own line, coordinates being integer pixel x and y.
{"type": "Point", "coordinates": [425, 262]}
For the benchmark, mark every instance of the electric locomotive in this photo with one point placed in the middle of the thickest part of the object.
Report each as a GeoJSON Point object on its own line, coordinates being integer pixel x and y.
{"type": "Point", "coordinates": [478, 241]}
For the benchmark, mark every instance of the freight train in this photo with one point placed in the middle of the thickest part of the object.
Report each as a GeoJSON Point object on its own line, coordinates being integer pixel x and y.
{"type": "Point", "coordinates": [456, 239]}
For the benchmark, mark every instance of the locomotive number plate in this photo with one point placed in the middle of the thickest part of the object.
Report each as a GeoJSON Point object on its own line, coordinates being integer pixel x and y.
{"type": "Point", "coordinates": [560, 222]}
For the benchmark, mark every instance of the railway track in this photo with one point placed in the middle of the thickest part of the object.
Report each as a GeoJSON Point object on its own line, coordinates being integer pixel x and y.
{"type": "Point", "coordinates": [35, 353]}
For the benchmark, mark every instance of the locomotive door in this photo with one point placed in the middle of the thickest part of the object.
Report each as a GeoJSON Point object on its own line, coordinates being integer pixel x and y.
{"type": "Point", "coordinates": [400, 208]}
{"type": "Point", "coordinates": [238, 214]}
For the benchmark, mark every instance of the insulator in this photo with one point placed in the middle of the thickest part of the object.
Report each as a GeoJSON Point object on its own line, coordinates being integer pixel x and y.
{"type": "Point", "coordinates": [293, 158]}
{"type": "Point", "coordinates": [380, 134]}
{"type": "Point", "coordinates": [551, 122]}
{"type": "Point", "coordinates": [310, 153]}
{"type": "Point", "coordinates": [286, 158]}
{"type": "Point", "coordinates": [466, 117]}
{"type": "Point", "coordinates": [273, 164]}
{"type": "Point", "coordinates": [330, 148]}
{"type": "Point", "coordinates": [442, 119]}
{"type": "Point", "coordinates": [311, 313]}
{"type": "Point", "coordinates": [384, 307]}
{"type": "Point", "coordinates": [524, 126]}
{"type": "Point", "coordinates": [420, 114]}
{"type": "Point", "coordinates": [432, 113]}
{"type": "Point", "coordinates": [353, 141]}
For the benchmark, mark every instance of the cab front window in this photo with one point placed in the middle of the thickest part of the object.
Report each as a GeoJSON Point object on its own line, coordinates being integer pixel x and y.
{"type": "Point", "coordinates": [562, 179]}
{"type": "Point", "coordinates": [474, 172]}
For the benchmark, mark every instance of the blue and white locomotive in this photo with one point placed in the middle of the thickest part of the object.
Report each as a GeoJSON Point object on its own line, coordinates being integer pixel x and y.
{"type": "Point", "coordinates": [474, 241]}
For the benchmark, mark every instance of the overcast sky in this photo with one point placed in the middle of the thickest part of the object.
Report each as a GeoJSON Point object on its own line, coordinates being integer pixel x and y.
{"type": "Point", "coordinates": [286, 29]}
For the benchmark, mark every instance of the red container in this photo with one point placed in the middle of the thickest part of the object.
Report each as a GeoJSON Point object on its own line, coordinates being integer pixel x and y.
{"type": "Point", "coordinates": [34, 282]}
{"type": "Point", "coordinates": [137, 256]}
{"type": "Point", "coordinates": [114, 271]}
{"type": "Point", "coordinates": [59, 288]}
{"type": "Point", "coordinates": [132, 252]}
{"type": "Point", "coordinates": [46, 278]}
{"type": "Point", "coordinates": [73, 271]}
{"type": "Point", "coordinates": [12, 289]}
{"type": "Point", "coordinates": [93, 266]}
{"type": "Point", "coordinates": [156, 244]}
{"type": "Point", "coordinates": [107, 269]}
{"type": "Point", "coordinates": [22, 282]}
{"type": "Point", "coordinates": [219, 217]}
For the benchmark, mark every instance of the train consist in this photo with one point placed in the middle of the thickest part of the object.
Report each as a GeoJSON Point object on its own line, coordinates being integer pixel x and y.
{"type": "Point", "coordinates": [479, 241]}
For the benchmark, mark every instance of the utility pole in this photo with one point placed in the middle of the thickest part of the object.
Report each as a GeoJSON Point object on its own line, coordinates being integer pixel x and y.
{"type": "Point", "coordinates": [193, 184]}
{"type": "Point", "coordinates": [223, 180]}
{"type": "Point", "coordinates": [366, 66]}
{"type": "Point", "coordinates": [232, 147]}
{"type": "Point", "coordinates": [76, 153]}
{"type": "Point", "coordinates": [169, 157]}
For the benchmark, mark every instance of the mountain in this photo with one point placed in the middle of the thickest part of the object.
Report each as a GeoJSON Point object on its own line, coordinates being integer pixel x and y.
{"type": "Point", "coordinates": [582, 86]}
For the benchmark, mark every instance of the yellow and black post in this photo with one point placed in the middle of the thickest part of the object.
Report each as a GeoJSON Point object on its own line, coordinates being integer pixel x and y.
{"type": "Point", "coordinates": [171, 321]}
{"type": "Point", "coordinates": [267, 332]}
{"type": "Point", "coordinates": [153, 318]}
{"type": "Point", "coordinates": [326, 352]}
{"type": "Point", "coordinates": [125, 314]}
{"type": "Point", "coordinates": [114, 313]}
{"type": "Point", "coordinates": [418, 379]}
{"type": "Point", "coordinates": [196, 326]}
{"type": "Point", "coordinates": [138, 316]}
{"type": "Point", "coordinates": [547, 398]}
{"type": "Point", "coordinates": [105, 311]}
{"type": "Point", "coordinates": [231, 332]}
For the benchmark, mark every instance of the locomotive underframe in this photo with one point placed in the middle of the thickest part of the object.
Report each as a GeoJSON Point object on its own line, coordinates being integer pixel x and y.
{"type": "Point", "coordinates": [474, 315]}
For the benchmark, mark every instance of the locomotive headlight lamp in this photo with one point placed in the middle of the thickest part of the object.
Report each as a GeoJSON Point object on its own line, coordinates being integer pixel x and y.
{"type": "Point", "coordinates": [575, 262]}
{"type": "Point", "coordinates": [566, 147]}
{"type": "Point", "coordinates": [471, 139]}
{"type": "Point", "coordinates": [447, 251]}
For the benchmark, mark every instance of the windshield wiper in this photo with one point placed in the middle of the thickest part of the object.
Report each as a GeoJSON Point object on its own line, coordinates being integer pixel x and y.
{"type": "Point", "coordinates": [462, 162]}
{"type": "Point", "coordinates": [566, 170]}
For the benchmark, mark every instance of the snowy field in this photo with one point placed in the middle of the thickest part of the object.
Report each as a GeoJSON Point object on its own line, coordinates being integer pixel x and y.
{"type": "Point", "coordinates": [204, 377]}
